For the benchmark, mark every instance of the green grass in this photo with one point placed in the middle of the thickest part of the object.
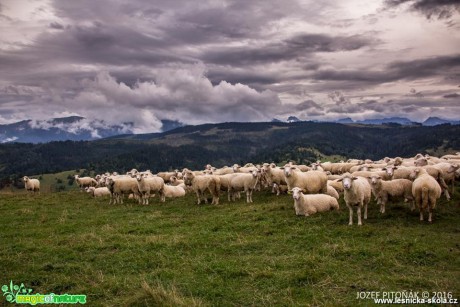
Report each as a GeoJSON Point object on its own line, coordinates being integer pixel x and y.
{"type": "Point", "coordinates": [182, 254]}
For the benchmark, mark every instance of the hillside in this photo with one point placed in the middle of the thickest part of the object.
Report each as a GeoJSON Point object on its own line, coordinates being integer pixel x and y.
{"type": "Point", "coordinates": [227, 143]}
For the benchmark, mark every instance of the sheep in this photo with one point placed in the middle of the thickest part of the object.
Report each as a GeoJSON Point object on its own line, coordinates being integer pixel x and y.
{"type": "Point", "coordinates": [31, 184]}
{"type": "Point", "coordinates": [448, 157]}
{"type": "Point", "coordinates": [173, 191]}
{"type": "Point", "coordinates": [244, 182]}
{"type": "Point", "coordinates": [279, 188]}
{"type": "Point", "coordinates": [166, 176]}
{"type": "Point", "coordinates": [402, 172]}
{"type": "Point", "coordinates": [357, 192]}
{"type": "Point", "coordinates": [336, 185]}
{"type": "Point", "coordinates": [244, 169]}
{"type": "Point", "coordinates": [202, 183]}
{"type": "Point", "coordinates": [274, 174]}
{"type": "Point", "coordinates": [150, 185]}
{"type": "Point", "coordinates": [98, 192]}
{"type": "Point", "coordinates": [311, 182]}
{"type": "Point", "coordinates": [426, 190]}
{"type": "Point", "coordinates": [382, 190]}
{"type": "Point", "coordinates": [310, 204]}
{"type": "Point", "coordinates": [448, 171]}
{"type": "Point", "coordinates": [118, 186]}
{"type": "Point", "coordinates": [225, 182]}
{"type": "Point", "coordinates": [84, 182]}
{"type": "Point", "coordinates": [223, 171]}
{"type": "Point", "coordinates": [332, 192]}
{"type": "Point", "coordinates": [174, 181]}
{"type": "Point", "coordinates": [362, 167]}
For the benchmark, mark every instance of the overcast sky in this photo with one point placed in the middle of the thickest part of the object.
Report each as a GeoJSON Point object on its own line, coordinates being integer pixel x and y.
{"type": "Point", "coordinates": [214, 61]}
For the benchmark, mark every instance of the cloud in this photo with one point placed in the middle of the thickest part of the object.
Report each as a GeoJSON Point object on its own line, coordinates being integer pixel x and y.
{"type": "Point", "coordinates": [453, 95]}
{"type": "Point", "coordinates": [439, 9]}
{"type": "Point", "coordinates": [186, 95]}
{"type": "Point", "coordinates": [139, 62]}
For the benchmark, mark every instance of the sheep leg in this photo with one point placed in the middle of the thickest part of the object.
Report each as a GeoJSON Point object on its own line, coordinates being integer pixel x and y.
{"type": "Point", "coordinates": [351, 215]}
{"type": "Point", "coordinates": [359, 215]}
{"type": "Point", "coordinates": [198, 196]}
{"type": "Point", "coordinates": [365, 211]}
{"type": "Point", "coordinates": [430, 213]}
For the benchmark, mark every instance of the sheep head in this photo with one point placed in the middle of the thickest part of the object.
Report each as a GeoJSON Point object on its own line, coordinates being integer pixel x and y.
{"type": "Point", "coordinates": [296, 193]}
{"type": "Point", "coordinates": [347, 181]}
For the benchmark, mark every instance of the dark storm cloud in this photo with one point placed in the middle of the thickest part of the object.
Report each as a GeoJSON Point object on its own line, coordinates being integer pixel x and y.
{"type": "Point", "coordinates": [56, 25]}
{"type": "Point", "coordinates": [308, 104]}
{"type": "Point", "coordinates": [440, 9]}
{"type": "Point", "coordinates": [399, 70]}
{"type": "Point", "coordinates": [453, 95]}
{"type": "Point", "coordinates": [292, 48]}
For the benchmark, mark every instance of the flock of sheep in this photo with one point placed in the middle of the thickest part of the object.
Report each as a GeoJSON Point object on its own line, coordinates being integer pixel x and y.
{"type": "Point", "coordinates": [315, 188]}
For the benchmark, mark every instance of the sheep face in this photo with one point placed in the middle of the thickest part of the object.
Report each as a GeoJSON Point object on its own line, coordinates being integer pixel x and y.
{"type": "Point", "coordinates": [414, 174]}
{"type": "Point", "coordinates": [347, 181]}
{"type": "Point", "coordinates": [421, 162]}
{"type": "Point", "coordinates": [389, 170]}
{"type": "Point", "coordinates": [25, 179]}
{"type": "Point", "coordinates": [236, 168]}
{"type": "Point", "coordinates": [288, 170]}
{"type": "Point", "coordinates": [374, 179]}
{"type": "Point", "coordinates": [296, 193]}
{"type": "Point", "coordinates": [188, 177]}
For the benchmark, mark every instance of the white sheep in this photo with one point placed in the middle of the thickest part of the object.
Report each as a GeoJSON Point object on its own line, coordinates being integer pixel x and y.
{"type": "Point", "coordinates": [311, 182]}
{"type": "Point", "coordinates": [173, 191]}
{"type": "Point", "coordinates": [331, 191]}
{"type": "Point", "coordinates": [402, 172]}
{"type": "Point", "coordinates": [397, 188]}
{"type": "Point", "coordinates": [98, 192]}
{"type": "Point", "coordinates": [357, 192]}
{"type": "Point", "coordinates": [225, 182]}
{"type": "Point", "coordinates": [273, 174]}
{"type": "Point", "coordinates": [202, 183]}
{"type": "Point", "coordinates": [121, 185]}
{"type": "Point", "coordinates": [243, 169]}
{"type": "Point", "coordinates": [244, 182]}
{"type": "Point", "coordinates": [31, 184]}
{"type": "Point", "coordinates": [166, 176]}
{"type": "Point", "coordinates": [150, 185]}
{"type": "Point", "coordinates": [336, 185]}
{"type": "Point", "coordinates": [174, 181]}
{"type": "Point", "coordinates": [312, 203]}
{"type": "Point", "coordinates": [84, 182]}
{"type": "Point", "coordinates": [426, 190]}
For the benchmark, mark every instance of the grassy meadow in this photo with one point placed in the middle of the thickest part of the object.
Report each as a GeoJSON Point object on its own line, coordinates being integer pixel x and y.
{"type": "Point", "coordinates": [236, 254]}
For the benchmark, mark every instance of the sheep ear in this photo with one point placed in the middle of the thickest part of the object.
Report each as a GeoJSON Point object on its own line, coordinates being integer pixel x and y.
{"type": "Point", "coordinates": [354, 178]}
{"type": "Point", "coordinates": [339, 180]}
{"type": "Point", "coordinates": [378, 177]}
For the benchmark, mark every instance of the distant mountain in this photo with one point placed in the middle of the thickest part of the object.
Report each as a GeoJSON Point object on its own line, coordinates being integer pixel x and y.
{"type": "Point", "coordinates": [170, 125]}
{"type": "Point", "coordinates": [74, 128]}
{"type": "Point", "coordinates": [346, 120]}
{"type": "Point", "coordinates": [293, 119]}
{"type": "Point", "coordinates": [434, 121]}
